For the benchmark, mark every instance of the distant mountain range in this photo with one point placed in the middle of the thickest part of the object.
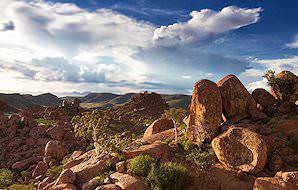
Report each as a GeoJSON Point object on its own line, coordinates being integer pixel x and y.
{"type": "Point", "coordinates": [108, 100]}
{"type": "Point", "coordinates": [16, 102]}
{"type": "Point", "coordinates": [10, 103]}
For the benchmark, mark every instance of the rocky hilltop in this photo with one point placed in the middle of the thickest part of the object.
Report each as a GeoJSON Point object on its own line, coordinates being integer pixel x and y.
{"type": "Point", "coordinates": [25, 101]}
{"type": "Point", "coordinates": [229, 140]}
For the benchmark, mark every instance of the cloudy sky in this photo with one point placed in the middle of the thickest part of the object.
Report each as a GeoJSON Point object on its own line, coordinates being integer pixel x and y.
{"type": "Point", "coordinates": [79, 46]}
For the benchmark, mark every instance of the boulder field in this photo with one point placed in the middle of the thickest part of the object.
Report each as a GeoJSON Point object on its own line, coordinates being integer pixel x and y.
{"type": "Point", "coordinates": [245, 141]}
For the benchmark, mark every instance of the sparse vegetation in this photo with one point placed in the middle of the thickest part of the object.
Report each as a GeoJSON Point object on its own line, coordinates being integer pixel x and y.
{"type": "Point", "coordinates": [6, 177]}
{"type": "Point", "coordinates": [176, 114]}
{"type": "Point", "coordinates": [46, 122]}
{"type": "Point", "coordinates": [283, 87]}
{"type": "Point", "coordinates": [22, 187]}
{"type": "Point", "coordinates": [54, 171]}
{"type": "Point", "coordinates": [109, 167]}
{"type": "Point", "coordinates": [168, 176]}
{"type": "Point", "coordinates": [168, 141]}
{"type": "Point", "coordinates": [276, 120]}
{"type": "Point", "coordinates": [202, 155]}
{"type": "Point", "coordinates": [141, 165]}
{"type": "Point", "coordinates": [96, 126]}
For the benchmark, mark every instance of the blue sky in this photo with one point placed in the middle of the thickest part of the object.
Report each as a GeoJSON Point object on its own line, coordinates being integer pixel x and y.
{"type": "Point", "coordinates": [79, 46]}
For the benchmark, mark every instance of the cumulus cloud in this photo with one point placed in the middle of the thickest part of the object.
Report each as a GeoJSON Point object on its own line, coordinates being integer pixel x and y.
{"type": "Point", "coordinates": [82, 38]}
{"type": "Point", "coordinates": [61, 43]}
{"type": "Point", "coordinates": [204, 24]}
{"type": "Point", "coordinates": [56, 69]}
{"type": "Point", "coordinates": [293, 44]}
{"type": "Point", "coordinates": [7, 26]}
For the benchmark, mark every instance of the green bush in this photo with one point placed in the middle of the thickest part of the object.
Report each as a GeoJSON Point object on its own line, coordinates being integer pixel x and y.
{"type": "Point", "coordinates": [283, 87]}
{"type": "Point", "coordinates": [187, 145]}
{"type": "Point", "coordinates": [109, 167]}
{"type": "Point", "coordinates": [21, 187]}
{"type": "Point", "coordinates": [24, 174]}
{"type": "Point", "coordinates": [168, 176]}
{"type": "Point", "coordinates": [203, 157]}
{"type": "Point", "coordinates": [5, 177]}
{"type": "Point", "coordinates": [54, 171]}
{"type": "Point", "coordinates": [168, 141]}
{"type": "Point", "coordinates": [46, 122]}
{"type": "Point", "coordinates": [141, 165]}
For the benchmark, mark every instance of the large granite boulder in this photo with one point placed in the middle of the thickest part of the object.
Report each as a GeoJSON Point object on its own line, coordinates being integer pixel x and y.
{"type": "Point", "coordinates": [40, 169]}
{"type": "Point", "coordinates": [128, 182]}
{"type": "Point", "coordinates": [156, 150]}
{"type": "Point", "coordinates": [281, 181]}
{"type": "Point", "coordinates": [241, 149]}
{"type": "Point", "coordinates": [92, 167]}
{"type": "Point", "coordinates": [158, 126]}
{"type": "Point", "coordinates": [66, 176]}
{"type": "Point", "coordinates": [266, 102]}
{"type": "Point", "coordinates": [55, 149]}
{"type": "Point", "coordinates": [238, 103]}
{"type": "Point", "coordinates": [205, 112]}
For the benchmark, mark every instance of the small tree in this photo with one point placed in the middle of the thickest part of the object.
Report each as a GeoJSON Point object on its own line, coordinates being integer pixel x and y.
{"type": "Point", "coordinates": [283, 87]}
{"type": "Point", "coordinates": [177, 115]}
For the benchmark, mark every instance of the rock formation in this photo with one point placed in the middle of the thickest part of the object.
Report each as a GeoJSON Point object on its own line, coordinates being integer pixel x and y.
{"type": "Point", "coordinates": [286, 77]}
{"type": "Point", "coordinates": [158, 126]}
{"type": "Point", "coordinates": [238, 103]}
{"type": "Point", "coordinates": [241, 149]}
{"type": "Point", "coordinates": [266, 102]}
{"type": "Point", "coordinates": [205, 111]}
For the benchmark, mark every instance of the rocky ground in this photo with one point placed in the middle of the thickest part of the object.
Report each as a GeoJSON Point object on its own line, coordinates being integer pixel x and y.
{"type": "Point", "coordinates": [230, 140]}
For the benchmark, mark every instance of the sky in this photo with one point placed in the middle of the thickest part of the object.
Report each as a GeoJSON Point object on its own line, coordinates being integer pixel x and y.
{"type": "Point", "coordinates": [73, 47]}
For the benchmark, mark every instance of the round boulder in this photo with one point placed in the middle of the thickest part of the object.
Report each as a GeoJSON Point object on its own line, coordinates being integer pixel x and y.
{"type": "Point", "coordinates": [238, 103]}
{"type": "Point", "coordinates": [241, 149]}
{"type": "Point", "coordinates": [264, 98]}
{"type": "Point", "coordinates": [158, 126]}
{"type": "Point", "coordinates": [125, 181]}
{"type": "Point", "coordinates": [66, 176]}
{"type": "Point", "coordinates": [205, 112]}
{"type": "Point", "coordinates": [55, 150]}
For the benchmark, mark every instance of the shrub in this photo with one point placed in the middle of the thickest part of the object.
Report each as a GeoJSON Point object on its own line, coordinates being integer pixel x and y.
{"type": "Point", "coordinates": [203, 157]}
{"type": "Point", "coordinates": [5, 177]}
{"type": "Point", "coordinates": [168, 141]}
{"type": "Point", "coordinates": [141, 165]}
{"type": "Point", "coordinates": [46, 122]}
{"type": "Point", "coordinates": [187, 145]}
{"type": "Point", "coordinates": [21, 187]}
{"type": "Point", "coordinates": [54, 171]}
{"type": "Point", "coordinates": [168, 176]}
{"type": "Point", "coordinates": [176, 114]}
{"type": "Point", "coordinates": [24, 174]}
{"type": "Point", "coordinates": [283, 87]}
{"type": "Point", "coordinates": [109, 167]}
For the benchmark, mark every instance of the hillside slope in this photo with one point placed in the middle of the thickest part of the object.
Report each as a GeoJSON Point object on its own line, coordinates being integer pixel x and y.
{"type": "Point", "coordinates": [109, 100]}
{"type": "Point", "coordinates": [25, 101]}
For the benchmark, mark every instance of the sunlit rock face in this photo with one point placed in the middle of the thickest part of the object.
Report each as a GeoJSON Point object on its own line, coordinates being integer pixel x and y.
{"type": "Point", "coordinates": [205, 111]}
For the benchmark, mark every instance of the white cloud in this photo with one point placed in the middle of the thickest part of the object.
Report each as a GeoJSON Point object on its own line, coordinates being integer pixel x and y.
{"type": "Point", "coordinates": [258, 84]}
{"type": "Point", "coordinates": [61, 43]}
{"type": "Point", "coordinates": [293, 44]}
{"type": "Point", "coordinates": [91, 44]}
{"type": "Point", "coordinates": [279, 65]}
{"type": "Point", "coordinates": [253, 76]}
{"type": "Point", "coordinates": [186, 76]}
{"type": "Point", "coordinates": [204, 24]}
